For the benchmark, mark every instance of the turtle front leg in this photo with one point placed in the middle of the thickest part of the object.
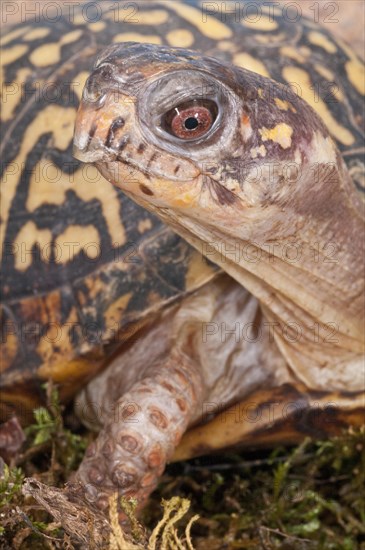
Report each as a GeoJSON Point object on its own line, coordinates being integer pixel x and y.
{"type": "Point", "coordinates": [142, 432]}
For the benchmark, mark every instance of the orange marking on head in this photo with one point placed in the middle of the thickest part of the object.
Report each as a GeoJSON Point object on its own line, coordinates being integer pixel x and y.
{"type": "Point", "coordinates": [245, 119]}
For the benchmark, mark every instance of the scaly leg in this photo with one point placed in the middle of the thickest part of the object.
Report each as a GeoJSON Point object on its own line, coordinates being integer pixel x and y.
{"type": "Point", "coordinates": [146, 425]}
{"type": "Point", "coordinates": [189, 359]}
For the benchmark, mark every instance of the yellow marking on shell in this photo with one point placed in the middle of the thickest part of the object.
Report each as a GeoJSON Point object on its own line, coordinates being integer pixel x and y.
{"type": "Point", "coordinates": [59, 334]}
{"type": "Point", "coordinates": [354, 68]}
{"type": "Point", "coordinates": [79, 19]}
{"type": "Point", "coordinates": [95, 283]}
{"type": "Point", "coordinates": [144, 225]}
{"type": "Point", "coordinates": [50, 53]}
{"type": "Point", "coordinates": [35, 34]}
{"type": "Point", "coordinates": [262, 24]}
{"type": "Point", "coordinates": [319, 39]}
{"type": "Point", "coordinates": [180, 38]}
{"type": "Point", "coordinates": [226, 46]}
{"type": "Point", "coordinates": [114, 312]}
{"type": "Point", "coordinates": [79, 82]}
{"type": "Point", "coordinates": [71, 36]}
{"type": "Point", "coordinates": [356, 74]}
{"type": "Point", "coordinates": [260, 93]}
{"type": "Point", "coordinates": [270, 38]}
{"type": "Point", "coordinates": [301, 78]}
{"type": "Point", "coordinates": [12, 35]}
{"type": "Point", "coordinates": [292, 53]}
{"type": "Point", "coordinates": [151, 17]}
{"type": "Point", "coordinates": [59, 368]}
{"type": "Point", "coordinates": [12, 95]}
{"type": "Point", "coordinates": [136, 37]}
{"type": "Point", "coordinates": [49, 185]}
{"type": "Point", "coordinates": [28, 237]}
{"type": "Point", "coordinates": [304, 50]}
{"type": "Point", "coordinates": [9, 55]}
{"type": "Point", "coordinates": [328, 75]}
{"type": "Point", "coordinates": [50, 118]}
{"type": "Point", "coordinates": [281, 134]}
{"type": "Point", "coordinates": [250, 63]}
{"type": "Point", "coordinates": [258, 152]}
{"type": "Point", "coordinates": [347, 49]}
{"type": "Point", "coordinates": [325, 72]}
{"type": "Point", "coordinates": [8, 350]}
{"type": "Point", "coordinates": [97, 26]}
{"type": "Point", "coordinates": [92, 287]}
{"type": "Point", "coordinates": [84, 238]}
{"type": "Point", "coordinates": [206, 24]}
{"type": "Point", "coordinates": [284, 105]}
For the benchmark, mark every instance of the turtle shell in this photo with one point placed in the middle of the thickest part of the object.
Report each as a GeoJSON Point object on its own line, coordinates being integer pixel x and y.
{"type": "Point", "coordinates": [83, 267]}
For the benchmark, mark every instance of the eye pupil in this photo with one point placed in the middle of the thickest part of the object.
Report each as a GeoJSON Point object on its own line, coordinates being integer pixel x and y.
{"type": "Point", "coordinates": [191, 120]}
{"type": "Point", "coordinates": [191, 123]}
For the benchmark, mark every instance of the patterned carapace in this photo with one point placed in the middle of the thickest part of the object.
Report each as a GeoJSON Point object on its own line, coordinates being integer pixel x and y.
{"type": "Point", "coordinates": [82, 265]}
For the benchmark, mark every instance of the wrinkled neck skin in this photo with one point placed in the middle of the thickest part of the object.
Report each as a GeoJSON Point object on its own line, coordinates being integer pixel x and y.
{"type": "Point", "coordinates": [302, 257]}
{"type": "Point", "coordinates": [268, 198]}
{"type": "Point", "coordinates": [306, 268]}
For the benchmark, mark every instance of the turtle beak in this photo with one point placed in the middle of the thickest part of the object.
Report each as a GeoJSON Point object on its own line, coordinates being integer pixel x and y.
{"type": "Point", "coordinates": [86, 146]}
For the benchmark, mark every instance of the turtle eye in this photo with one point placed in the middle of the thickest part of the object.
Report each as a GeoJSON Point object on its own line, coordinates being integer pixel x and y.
{"type": "Point", "coordinates": [190, 120]}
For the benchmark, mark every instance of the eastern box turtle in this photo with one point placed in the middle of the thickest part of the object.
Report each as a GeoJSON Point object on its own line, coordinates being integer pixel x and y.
{"type": "Point", "coordinates": [249, 144]}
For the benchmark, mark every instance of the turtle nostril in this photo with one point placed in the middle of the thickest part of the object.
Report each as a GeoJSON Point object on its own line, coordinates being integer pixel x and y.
{"type": "Point", "coordinates": [94, 90]}
{"type": "Point", "coordinates": [93, 93]}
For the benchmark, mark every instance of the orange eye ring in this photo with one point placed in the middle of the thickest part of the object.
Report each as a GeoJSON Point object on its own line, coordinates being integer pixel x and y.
{"type": "Point", "coordinates": [190, 121]}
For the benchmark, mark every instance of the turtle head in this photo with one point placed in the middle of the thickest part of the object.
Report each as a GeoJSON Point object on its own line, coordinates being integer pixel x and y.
{"type": "Point", "coordinates": [158, 124]}
{"type": "Point", "coordinates": [245, 171]}
{"type": "Point", "coordinates": [196, 138]}
{"type": "Point", "coordinates": [187, 132]}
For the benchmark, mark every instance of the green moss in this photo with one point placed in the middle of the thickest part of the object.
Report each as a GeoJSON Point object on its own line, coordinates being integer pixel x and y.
{"type": "Point", "coordinates": [304, 498]}
{"type": "Point", "coordinates": [310, 497]}
{"type": "Point", "coordinates": [67, 447]}
{"type": "Point", "coordinates": [10, 485]}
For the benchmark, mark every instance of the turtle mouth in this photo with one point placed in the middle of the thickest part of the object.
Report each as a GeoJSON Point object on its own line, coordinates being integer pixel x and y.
{"type": "Point", "coordinates": [84, 135]}
{"type": "Point", "coordinates": [110, 136]}
{"type": "Point", "coordinates": [83, 155]}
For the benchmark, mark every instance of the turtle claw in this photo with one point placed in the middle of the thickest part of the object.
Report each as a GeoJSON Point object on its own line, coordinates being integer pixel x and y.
{"type": "Point", "coordinates": [140, 436]}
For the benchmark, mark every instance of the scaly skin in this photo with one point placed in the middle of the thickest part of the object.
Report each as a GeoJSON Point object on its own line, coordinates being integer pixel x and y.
{"type": "Point", "coordinates": [142, 432]}
{"type": "Point", "coordinates": [264, 176]}
{"type": "Point", "coordinates": [185, 367]}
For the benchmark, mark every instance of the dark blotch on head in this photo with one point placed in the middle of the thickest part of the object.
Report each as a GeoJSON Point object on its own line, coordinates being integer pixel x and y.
{"type": "Point", "coordinates": [141, 148]}
{"type": "Point", "coordinates": [123, 142]}
{"type": "Point", "coordinates": [219, 192]}
{"type": "Point", "coordinates": [115, 125]}
{"type": "Point", "coordinates": [152, 159]}
{"type": "Point", "coordinates": [145, 189]}
{"type": "Point", "coordinates": [92, 131]}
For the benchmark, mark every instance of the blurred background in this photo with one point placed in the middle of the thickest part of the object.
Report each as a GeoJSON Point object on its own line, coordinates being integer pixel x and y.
{"type": "Point", "coordinates": [344, 18]}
